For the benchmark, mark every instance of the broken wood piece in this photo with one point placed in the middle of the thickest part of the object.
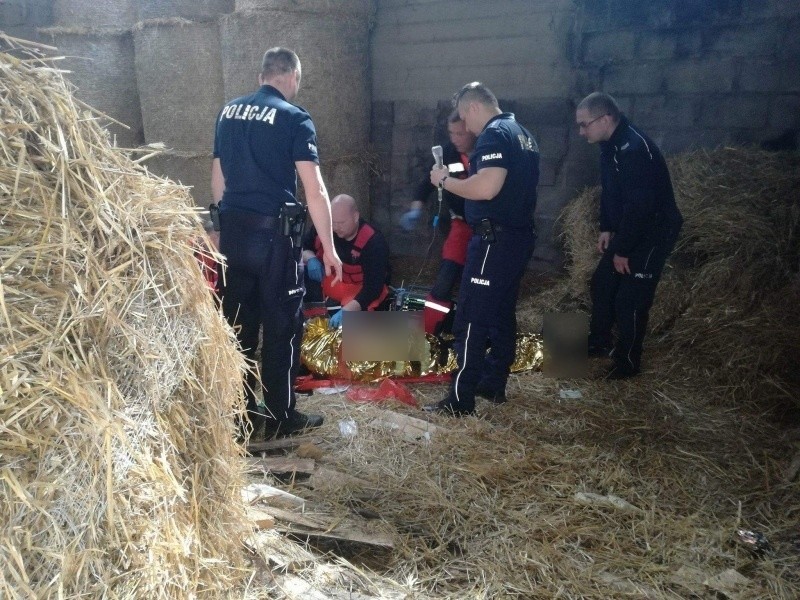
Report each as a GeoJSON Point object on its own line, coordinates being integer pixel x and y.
{"type": "Point", "coordinates": [260, 518]}
{"type": "Point", "coordinates": [730, 583]}
{"type": "Point", "coordinates": [794, 468]}
{"type": "Point", "coordinates": [344, 532]}
{"type": "Point", "coordinates": [324, 476]}
{"type": "Point", "coordinates": [409, 428]}
{"type": "Point", "coordinates": [609, 501]}
{"type": "Point", "coordinates": [286, 443]}
{"type": "Point", "coordinates": [295, 518]}
{"type": "Point", "coordinates": [280, 465]}
{"type": "Point", "coordinates": [260, 492]}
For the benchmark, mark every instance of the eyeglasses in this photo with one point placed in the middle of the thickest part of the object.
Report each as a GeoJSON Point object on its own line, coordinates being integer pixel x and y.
{"type": "Point", "coordinates": [586, 125]}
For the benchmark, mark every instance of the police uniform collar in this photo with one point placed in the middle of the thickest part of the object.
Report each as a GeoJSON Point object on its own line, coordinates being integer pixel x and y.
{"type": "Point", "coordinates": [505, 115]}
{"type": "Point", "coordinates": [268, 89]}
{"type": "Point", "coordinates": [616, 137]}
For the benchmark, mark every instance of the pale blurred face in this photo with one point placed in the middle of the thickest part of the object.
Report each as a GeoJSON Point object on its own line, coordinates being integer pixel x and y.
{"type": "Point", "coordinates": [593, 128]}
{"type": "Point", "coordinates": [468, 112]}
{"type": "Point", "coordinates": [344, 221]}
{"type": "Point", "coordinates": [462, 139]}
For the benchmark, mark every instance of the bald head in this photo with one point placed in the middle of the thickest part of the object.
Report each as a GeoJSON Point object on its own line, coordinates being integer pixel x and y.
{"type": "Point", "coordinates": [345, 216]}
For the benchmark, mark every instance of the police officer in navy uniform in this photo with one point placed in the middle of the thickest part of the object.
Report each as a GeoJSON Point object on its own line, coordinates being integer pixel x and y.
{"type": "Point", "coordinates": [262, 142]}
{"type": "Point", "coordinates": [639, 225]}
{"type": "Point", "coordinates": [455, 155]}
{"type": "Point", "coordinates": [500, 198]}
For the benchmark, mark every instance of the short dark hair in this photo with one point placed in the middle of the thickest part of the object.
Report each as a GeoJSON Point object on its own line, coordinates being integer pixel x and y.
{"type": "Point", "coordinates": [454, 117]}
{"type": "Point", "coordinates": [599, 104]}
{"type": "Point", "coordinates": [278, 61]}
{"type": "Point", "coordinates": [475, 92]}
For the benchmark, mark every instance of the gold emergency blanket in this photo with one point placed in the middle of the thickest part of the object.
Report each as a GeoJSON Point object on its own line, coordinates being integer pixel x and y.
{"type": "Point", "coordinates": [321, 353]}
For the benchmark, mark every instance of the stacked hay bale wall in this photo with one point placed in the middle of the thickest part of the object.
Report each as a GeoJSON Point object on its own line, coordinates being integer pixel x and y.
{"type": "Point", "coordinates": [194, 10]}
{"type": "Point", "coordinates": [332, 41]}
{"type": "Point", "coordinates": [728, 305]}
{"type": "Point", "coordinates": [179, 74]}
{"type": "Point", "coordinates": [101, 66]}
{"type": "Point", "coordinates": [94, 13]}
{"type": "Point", "coordinates": [120, 476]}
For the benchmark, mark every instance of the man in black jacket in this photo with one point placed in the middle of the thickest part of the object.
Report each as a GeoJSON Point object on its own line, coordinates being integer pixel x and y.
{"type": "Point", "coordinates": [639, 224]}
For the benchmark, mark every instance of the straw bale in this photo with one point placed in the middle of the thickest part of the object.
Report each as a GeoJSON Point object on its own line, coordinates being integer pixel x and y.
{"type": "Point", "coordinates": [360, 7]}
{"type": "Point", "coordinates": [333, 49]}
{"type": "Point", "coordinates": [120, 476]}
{"type": "Point", "coordinates": [194, 10]}
{"type": "Point", "coordinates": [190, 169]}
{"type": "Point", "coordinates": [100, 65]}
{"type": "Point", "coordinates": [179, 76]}
{"type": "Point", "coordinates": [100, 13]}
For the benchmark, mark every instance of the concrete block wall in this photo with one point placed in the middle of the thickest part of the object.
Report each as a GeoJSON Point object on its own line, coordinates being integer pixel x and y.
{"type": "Point", "coordinates": [692, 74]}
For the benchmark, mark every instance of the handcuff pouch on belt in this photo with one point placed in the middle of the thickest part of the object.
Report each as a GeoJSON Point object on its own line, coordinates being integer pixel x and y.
{"type": "Point", "coordinates": [293, 221]}
{"type": "Point", "coordinates": [485, 229]}
{"type": "Point", "coordinates": [213, 212]}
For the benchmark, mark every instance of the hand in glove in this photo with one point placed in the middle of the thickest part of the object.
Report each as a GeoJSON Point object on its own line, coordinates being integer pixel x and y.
{"type": "Point", "coordinates": [336, 319]}
{"type": "Point", "coordinates": [410, 218]}
{"type": "Point", "coordinates": [315, 269]}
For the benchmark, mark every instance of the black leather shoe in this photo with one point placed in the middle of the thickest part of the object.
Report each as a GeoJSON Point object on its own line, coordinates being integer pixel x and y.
{"type": "Point", "coordinates": [296, 423]}
{"type": "Point", "coordinates": [491, 396]}
{"type": "Point", "coordinates": [599, 351]}
{"type": "Point", "coordinates": [446, 408]}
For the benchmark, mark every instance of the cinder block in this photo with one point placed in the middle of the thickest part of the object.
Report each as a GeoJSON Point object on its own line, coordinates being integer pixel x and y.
{"type": "Point", "coordinates": [784, 111]}
{"type": "Point", "coordinates": [760, 75]}
{"type": "Point", "coordinates": [738, 111]}
{"type": "Point", "coordinates": [634, 79]}
{"type": "Point", "coordinates": [657, 45]}
{"type": "Point", "coordinates": [548, 171]}
{"type": "Point", "coordinates": [553, 141]}
{"type": "Point", "coordinates": [666, 111]}
{"type": "Point", "coordinates": [674, 141]}
{"type": "Point", "coordinates": [700, 76]}
{"type": "Point", "coordinates": [762, 39]}
{"type": "Point", "coordinates": [605, 47]}
{"type": "Point", "coordinates": [790, 80]}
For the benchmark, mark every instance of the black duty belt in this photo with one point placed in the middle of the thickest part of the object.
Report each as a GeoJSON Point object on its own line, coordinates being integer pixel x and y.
{"type": "Point", "coordinates": [248, 220]}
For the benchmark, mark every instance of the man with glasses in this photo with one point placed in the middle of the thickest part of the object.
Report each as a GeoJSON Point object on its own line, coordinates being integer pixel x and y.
{"type": "Point", "coordinates": [639, 224]}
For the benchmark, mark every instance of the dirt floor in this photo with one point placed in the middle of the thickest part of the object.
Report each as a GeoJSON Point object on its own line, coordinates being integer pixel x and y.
{"type": "Point", "coordinates": [572, 489]}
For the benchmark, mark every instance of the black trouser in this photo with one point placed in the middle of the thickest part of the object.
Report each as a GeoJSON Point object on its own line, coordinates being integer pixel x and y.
{"type": "Point", "coordinates": [449, 273]}
{"type": "Point", "coordinates": [486, 315]}
{"type": "Point", "coordinates": [625, 300]}
{"type": "Point", "coordinates": [262, 292]}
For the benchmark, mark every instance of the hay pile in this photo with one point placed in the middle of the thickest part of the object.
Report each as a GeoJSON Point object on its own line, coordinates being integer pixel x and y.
{"type": "Point", "coordinates": [118, 378]}
{"type": "Point", "coordinates": [728, 305]}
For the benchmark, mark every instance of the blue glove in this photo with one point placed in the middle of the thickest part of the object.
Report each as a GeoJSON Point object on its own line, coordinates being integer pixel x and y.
{"type": "Point", "coordinates": [315, 269]}
{"type": "Point", "coordinates": [409, 219]}
{"type": "Point", "coordinates": [336, 319]}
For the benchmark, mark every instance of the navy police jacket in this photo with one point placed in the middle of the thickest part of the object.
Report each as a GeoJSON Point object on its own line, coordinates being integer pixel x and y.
{"type": "Point", "coordinates": [505, 143]}
{"type": "Point", "coordinates": [258, 139]}
{"type": "Point", "coordinates": [637, 201]}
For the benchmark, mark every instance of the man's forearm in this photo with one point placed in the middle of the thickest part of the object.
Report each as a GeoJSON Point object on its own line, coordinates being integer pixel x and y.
{"type": "Point", "coordinates": [217, 181]}
{"type": "Point", "coordinates": [484, 185]}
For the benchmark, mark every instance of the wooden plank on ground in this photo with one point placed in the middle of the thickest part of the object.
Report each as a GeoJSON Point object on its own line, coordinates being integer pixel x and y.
{"type": "Point", "coordinates": [260, 492]}
{"type": "Point", "coordinates": [409, 428]}
{"type": "Point", "coordinates": [260, 518]}
{"type": "Point", "coordinates": [285, 443]}
{"type": "Point", "coordinates": [327, 477]}
{"type": "Point", "coordinates": [280, 464]}
{"type": "Point", "coordinates": [300, 519]}
{"type": "Point", "coordinates": [346, 532]}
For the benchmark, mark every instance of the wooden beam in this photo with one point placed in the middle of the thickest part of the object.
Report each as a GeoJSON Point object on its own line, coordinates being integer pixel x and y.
{"type": "Point", "coordinates": [409, 428]}
{"type": "Point", "coordinates": [285, 443]}
{"type": "Point", "coordinates": [280, 465]}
